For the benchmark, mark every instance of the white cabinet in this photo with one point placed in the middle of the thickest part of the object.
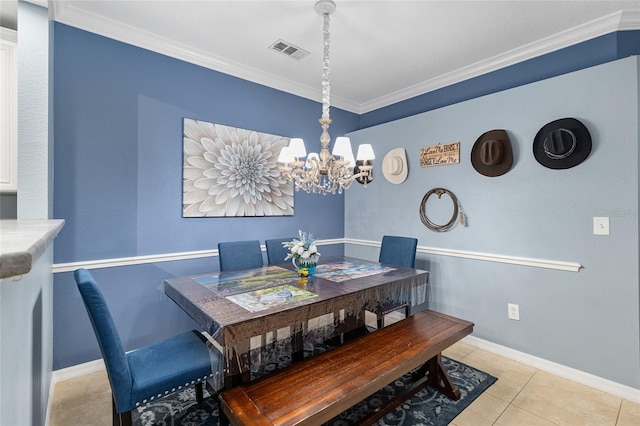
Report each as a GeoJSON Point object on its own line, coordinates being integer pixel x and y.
{"type": "Point", "coordinates": [8, 111]}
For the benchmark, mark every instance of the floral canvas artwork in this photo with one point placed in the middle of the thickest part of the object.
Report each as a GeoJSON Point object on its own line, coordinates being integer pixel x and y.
{"type": "Point", "coordinates": [229, 171]}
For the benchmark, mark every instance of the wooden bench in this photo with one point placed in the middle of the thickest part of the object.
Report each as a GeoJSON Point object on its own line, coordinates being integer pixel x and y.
{"type": "Point", "coordinates": [320, 387]}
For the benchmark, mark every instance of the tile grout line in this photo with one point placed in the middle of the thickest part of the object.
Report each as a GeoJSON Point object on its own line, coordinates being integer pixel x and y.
{"type": "Point", "coordinates": [501, 413]}
{"type": "Point", "coordinates": [619, 411]}
{"type": "Point", "coordinates": [524, 409]}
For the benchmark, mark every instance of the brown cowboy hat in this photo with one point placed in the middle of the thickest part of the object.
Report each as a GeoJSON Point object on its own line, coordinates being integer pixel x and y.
{"type": "Point", "coordinates": [562, 144]}
{"type": "Point", "coordinates": [492, 155]}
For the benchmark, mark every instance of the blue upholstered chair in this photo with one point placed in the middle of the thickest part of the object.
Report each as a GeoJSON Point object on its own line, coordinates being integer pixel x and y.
{"type": "Point", "coordinates": [401, 252]}
{"type": "Point", "coordinates": [151, 372]}
{"type": "Point", "coordinates": [398, 251]}
{"type": "Point", "coordinates": [275, 251]}
{"type": "Point", "coordinates": [240, 255]}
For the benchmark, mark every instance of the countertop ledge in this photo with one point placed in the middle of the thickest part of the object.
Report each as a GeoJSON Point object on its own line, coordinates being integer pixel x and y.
{"type": "Point", "coordinates": [22, 242]}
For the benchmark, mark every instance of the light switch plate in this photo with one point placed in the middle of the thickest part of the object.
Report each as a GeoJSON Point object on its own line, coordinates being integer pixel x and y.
{"type": "Point", "coordinates": [601, 225]}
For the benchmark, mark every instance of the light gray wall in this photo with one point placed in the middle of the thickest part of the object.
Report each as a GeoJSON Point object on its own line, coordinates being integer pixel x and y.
{"type": "Point", "coordinates": [26, 303]}
{"type": "Point", "coordinates": [588, 320]}
{"type": "Point", "coordinates": [34, 171]}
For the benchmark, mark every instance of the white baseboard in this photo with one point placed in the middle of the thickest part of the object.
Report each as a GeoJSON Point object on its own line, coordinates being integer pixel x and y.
{"type": "Point", "coordinates": [605, 385]}
{"type": "Point", "coordinates": [47, 417]}
{"type": "Point", "coordinates": [76, 371]}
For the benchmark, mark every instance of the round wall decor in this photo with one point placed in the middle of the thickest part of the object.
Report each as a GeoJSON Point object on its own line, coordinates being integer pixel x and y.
{"type": "Point", "coordinates": [456, 209]}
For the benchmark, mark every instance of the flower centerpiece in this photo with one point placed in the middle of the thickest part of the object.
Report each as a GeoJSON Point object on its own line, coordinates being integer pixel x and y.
{"type": "Point", "coordinates": [303, 253]}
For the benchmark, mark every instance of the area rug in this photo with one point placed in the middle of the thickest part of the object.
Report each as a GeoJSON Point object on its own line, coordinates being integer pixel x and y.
{"type": "Point", "coordinates": [427, 407]}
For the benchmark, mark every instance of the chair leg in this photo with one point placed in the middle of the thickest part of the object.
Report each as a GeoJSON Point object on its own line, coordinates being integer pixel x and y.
{"type": "Point", "coordinates": [223, 420]}
{"type": "Point", "coordinates": [199, 392]}
{"type": "Point", "coordinates": [114, 414]}
{"type": "Point", "coordinates": [120, 419]}
{"type": "Point", "coordinates": [380, 317]}
{"type": "Point", "coordinates": [125, 419]}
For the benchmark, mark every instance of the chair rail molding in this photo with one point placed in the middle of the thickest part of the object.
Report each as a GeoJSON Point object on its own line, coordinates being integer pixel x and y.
{"type": "Point", "coordinates": [489, 257]}
{"type": "Point", "coordinates": [154, 258]}
{"type": "Point", "coordinates": [170, 257]}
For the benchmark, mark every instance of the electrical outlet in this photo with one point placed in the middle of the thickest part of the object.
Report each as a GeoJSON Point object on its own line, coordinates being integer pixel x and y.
{"type": "Point", "coordinates": [513, 311]}
{"type": "Point", "coordinates": [601, 225]}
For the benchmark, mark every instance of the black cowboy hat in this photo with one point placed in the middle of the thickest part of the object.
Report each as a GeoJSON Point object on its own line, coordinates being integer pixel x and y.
{"type": "Point", "coordinates": [562, 144]}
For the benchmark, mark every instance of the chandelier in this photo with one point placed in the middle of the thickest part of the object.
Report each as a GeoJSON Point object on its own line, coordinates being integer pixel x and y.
{"type": "Point", "coordinates": [325, 172]}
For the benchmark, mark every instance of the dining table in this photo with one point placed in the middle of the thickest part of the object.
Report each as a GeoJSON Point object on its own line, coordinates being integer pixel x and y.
{"type": "Point", "coordinates": [235, 306]}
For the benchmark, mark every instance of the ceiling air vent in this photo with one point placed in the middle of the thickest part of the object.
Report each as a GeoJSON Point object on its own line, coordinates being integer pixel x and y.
{"type": "Point", "coordinates": [288, 49]}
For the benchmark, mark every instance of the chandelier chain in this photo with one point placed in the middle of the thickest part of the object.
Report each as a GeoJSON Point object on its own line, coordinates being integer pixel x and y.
{"type": "Point", "coordinates": [326, 85]}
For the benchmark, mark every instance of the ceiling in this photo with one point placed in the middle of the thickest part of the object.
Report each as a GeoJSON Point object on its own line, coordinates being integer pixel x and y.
{"type": "Point", "coordinates": [382, 52]}
{"type": "Point", "coordinates": [9, 14]}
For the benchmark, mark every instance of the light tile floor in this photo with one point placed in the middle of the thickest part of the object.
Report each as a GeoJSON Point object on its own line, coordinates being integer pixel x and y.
{"type": "Point", "coordinates": [522, 396]}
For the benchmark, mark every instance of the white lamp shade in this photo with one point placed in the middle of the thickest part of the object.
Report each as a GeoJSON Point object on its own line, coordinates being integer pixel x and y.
{"type": "Point", "coordinates": [342, 147]}
{"type": "Point", "coordinates": [296, 148]}
{"type": "Point", "coordinates": [350, 159]}
{"type": "Point", "coordinates": [285, 155]}
{"type": "Point", "coordinates": [310, 164]}
{"type": "Point", "coordinates": [365, 152]}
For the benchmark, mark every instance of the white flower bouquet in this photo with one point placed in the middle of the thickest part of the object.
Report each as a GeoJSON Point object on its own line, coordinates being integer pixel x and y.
{"type": "Point", "coordinates": [303, 251]}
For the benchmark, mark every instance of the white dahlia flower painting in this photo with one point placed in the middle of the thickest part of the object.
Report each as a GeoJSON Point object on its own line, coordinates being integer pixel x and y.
{"type": "Point", "coordinates": [232, 172]}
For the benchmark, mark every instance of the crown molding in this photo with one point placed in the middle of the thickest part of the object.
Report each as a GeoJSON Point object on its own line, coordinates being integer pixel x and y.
{"type": "Point", "coordinates": [619, 21]}
{"type": "Point", "coordinates": [7, 34]}
{"type": "Point", "coordinates": [629, 20]}
{"type": "Point", "coordinates": [71, 15]}
{"type": "Point", "coordinates": [67, 13]}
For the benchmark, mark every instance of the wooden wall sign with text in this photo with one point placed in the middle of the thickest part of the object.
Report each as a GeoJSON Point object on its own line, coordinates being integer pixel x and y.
{"type": "Point", "coordinates": [441, 154]}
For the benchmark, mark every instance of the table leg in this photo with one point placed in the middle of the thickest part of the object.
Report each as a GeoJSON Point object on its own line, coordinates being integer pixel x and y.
{"type": "Point", "coordinates": [438, 378]}
{"type": "Point", "coordinates": [297, 342]}
{"type": "Point", "coordinates": [354, 326]}
{"type": "Point", "coordinates": [239, 364]}
{"type": "Point", "coordinates": [431, 373]}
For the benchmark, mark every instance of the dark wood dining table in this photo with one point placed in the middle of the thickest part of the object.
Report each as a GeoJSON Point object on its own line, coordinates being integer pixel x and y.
{"type": "Point", "coordinates": [235, 306]}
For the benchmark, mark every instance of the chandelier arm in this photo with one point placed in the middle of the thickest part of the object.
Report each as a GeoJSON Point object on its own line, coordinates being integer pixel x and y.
{"type": "Point", "coordinates": [364, 173]}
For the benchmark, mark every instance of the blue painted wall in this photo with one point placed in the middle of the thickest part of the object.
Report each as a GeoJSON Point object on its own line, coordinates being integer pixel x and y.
{"type": "Point", "coordinates": [588, 320]}
{"type": "Point", "coordinates": [118, 131]}
{"type": "Point", "coordinates": [118, 177]}
{"type": "Point", "coordinates": [118, 116]}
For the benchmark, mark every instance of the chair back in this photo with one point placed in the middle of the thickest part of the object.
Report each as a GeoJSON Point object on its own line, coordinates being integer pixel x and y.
{"type": "Point", "coordinates": [240, 255]}
{"type": "Point", "coordinates": [275, 251]}
{"type": "Point", "coordinates": [108, 338]}
{"type": "Point", "coordinates": [398, 251]}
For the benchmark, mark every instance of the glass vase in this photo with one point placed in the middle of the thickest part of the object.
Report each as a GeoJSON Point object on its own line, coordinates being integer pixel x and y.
{"type": "Point", "coordinates": [309, 264]}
